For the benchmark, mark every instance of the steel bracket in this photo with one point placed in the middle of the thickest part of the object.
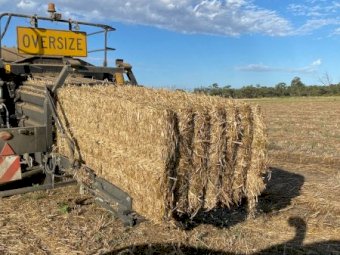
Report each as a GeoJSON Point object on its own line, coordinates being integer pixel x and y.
{"type": "Point", "coordinates": [106, 194]}
{"type": "Point", "coordinates": [118, 202]}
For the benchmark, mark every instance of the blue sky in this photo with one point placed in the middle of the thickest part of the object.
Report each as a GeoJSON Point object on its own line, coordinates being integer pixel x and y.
{"type": "Point", "coordinates": [192, 43]}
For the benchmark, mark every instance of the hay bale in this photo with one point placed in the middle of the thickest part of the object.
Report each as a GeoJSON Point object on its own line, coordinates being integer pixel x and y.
{"type": "Point", "coordinates": [185, 167]}
{"type": "Point", "coordinates": [217, 166]}
{"type": "Point", "coordinates": [258, 164]}
{"type": "Point", "coordinates": [175, 153]}
{"type": "Point", "coordinates": [199, 177]}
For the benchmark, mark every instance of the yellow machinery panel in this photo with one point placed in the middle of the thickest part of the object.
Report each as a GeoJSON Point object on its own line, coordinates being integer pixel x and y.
{"type": "Point", "coordinates": [50, 42]}
{"type": "Point", "coordinates": [119, 79]}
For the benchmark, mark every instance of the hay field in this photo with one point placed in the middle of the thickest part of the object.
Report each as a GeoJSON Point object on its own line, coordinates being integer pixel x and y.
{"type": "Point", "coordinates": [299, 212]}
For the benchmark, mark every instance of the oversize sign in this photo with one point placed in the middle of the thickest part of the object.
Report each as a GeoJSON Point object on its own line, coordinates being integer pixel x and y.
{"type": "Point", "coordinates": [50, 42]}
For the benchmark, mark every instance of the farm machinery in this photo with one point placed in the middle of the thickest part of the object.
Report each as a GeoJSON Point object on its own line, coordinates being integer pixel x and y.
{"type": "Point", "coordinates": [30, 75]}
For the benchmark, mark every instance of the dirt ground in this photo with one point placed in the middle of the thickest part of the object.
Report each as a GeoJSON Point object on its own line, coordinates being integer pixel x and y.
{"type": "Point", "coordinates": [298, 213]}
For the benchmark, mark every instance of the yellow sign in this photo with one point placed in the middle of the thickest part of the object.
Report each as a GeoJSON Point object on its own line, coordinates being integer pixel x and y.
{"type": "Point", "coordinates": [7, 69]}
{"type": "Point", "coordinates": [39, 41]}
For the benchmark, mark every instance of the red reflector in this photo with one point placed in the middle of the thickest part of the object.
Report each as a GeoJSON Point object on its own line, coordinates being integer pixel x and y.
{"type": "Point", "coordinates": [10, 168]}
{"type": "Point", "coordinates": [4, 135]}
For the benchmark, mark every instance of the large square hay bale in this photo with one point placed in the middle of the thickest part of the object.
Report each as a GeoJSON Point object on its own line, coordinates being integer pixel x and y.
{"type": "Point", "coordinates": [175, 153]}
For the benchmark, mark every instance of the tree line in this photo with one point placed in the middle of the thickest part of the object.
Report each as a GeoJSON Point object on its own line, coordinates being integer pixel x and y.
{"type": "Point", "coordinates": [295, 88]}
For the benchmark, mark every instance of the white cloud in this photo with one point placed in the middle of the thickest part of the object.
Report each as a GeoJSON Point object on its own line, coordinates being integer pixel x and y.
{"type": "Point", "coordinates": [218, 17]}
{"type": "Point", "coordinates": [316, 62]}
{"type": "Point", "coordinates": [311, 68]}
{"type": "Point", "coordinates": [315, 8]}
{"type": "Point", "coordinates": [256, 68]}
{"type": "Point", "coordinates": [314, 24]}
{"type": "Point", "coordinates": [26, 4]}
{"type": "Point", "coordinates": [336, 31]}
{"type": "Point", "coordinates": [317, 14]}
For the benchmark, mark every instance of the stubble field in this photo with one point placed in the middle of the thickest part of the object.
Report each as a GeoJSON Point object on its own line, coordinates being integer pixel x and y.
{"type": "Point", "coordinates": [298, 213]}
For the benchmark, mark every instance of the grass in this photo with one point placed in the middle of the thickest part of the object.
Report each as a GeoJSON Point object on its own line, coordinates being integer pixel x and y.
{"type": "Point", "coordinates": [303, 127]}
{"type": "Point", "coordinates": [299, 212]}
{"type": "Point", "coordinates": [64, 208]}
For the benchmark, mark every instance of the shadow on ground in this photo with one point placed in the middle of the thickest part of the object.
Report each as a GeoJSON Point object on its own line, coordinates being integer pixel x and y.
{"type": "Point", "coordinates": [292, 247]}
{"type": "Point", "coordinates": [282, 187]}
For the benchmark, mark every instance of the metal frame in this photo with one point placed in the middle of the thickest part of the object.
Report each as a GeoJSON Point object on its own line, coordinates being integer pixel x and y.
{"type": "Point", "coordinates": [105, 28]}
{"type": "Point", "coordinates": [39, 139]}
{"type": "Point", "coordinates": [107, 195]}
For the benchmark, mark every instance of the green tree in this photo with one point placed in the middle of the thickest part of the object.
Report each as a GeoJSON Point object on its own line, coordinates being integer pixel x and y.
{"type": "Point", "coordinates": [281, 89]}
{"type": "Point", "coordinates": [297, 87]}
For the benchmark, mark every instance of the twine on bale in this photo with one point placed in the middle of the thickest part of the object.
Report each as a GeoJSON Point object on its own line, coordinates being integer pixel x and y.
{"type": "Point", "coordinates": [181, 192]}
{"type": "Point", "coordinates": [258, 164]}
{"type": "Point", "coordinates": [171, 167]}
{"type": "Point", "coordinates": [173, 152]}
{"type": "Point", "coordinates": [242, 154]}
{"type": "Point", "coordinates": [199, 177]}
{"type": "Point", "coordinates": [217, 166]}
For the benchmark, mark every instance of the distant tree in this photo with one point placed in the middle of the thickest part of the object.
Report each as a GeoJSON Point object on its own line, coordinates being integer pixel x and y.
{"type": "Point", "coordinates": [297, 87]}
{"type": "Point", "coordinates": [249, 91]}
{"type": "Point", "coordinates": [281, 89]}
{"type": "Point", "coordinates": [214, 85]}
{"type": "Point", "coordinates": [296, 82]}
{"type": "Point", "coordinates": [326, 80]}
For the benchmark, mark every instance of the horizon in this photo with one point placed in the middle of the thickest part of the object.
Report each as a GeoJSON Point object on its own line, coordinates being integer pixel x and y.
{"type": "Point", "coordinates": [186, 44]}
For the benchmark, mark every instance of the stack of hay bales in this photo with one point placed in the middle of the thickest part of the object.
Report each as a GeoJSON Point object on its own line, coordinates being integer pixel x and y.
{"type": "Point", "coordinates": [175, 153]}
